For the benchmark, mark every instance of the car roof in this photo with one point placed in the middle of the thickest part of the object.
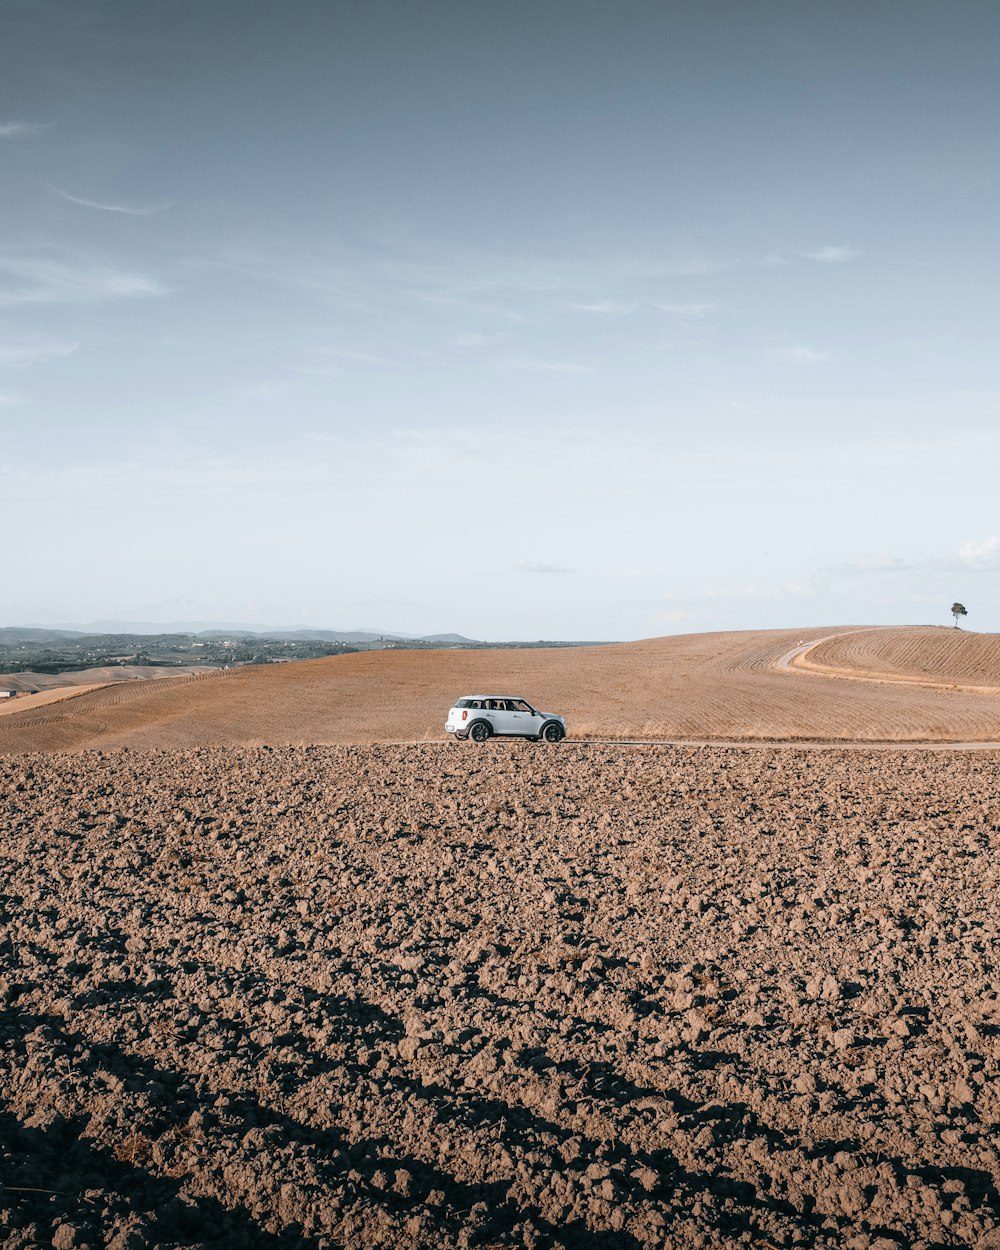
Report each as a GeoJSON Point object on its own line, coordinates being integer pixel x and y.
{"type": "Point", "coordinates": [493, 696]}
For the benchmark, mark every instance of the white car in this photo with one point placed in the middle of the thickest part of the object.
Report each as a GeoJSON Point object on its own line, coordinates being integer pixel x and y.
{"type": "Point", "coordinates": [480, 716]}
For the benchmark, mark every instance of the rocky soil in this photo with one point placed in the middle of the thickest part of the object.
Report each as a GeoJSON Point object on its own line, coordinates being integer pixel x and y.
{"type": "Point", "coordinates": [441, 996]}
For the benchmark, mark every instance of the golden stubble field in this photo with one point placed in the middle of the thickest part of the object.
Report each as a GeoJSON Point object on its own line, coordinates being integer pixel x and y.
{"type": "Point", "coordinates": [696, 687]}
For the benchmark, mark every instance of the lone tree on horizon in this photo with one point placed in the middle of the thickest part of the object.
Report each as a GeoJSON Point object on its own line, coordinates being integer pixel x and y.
{"type": "Point", "coordinates": [957, 610]}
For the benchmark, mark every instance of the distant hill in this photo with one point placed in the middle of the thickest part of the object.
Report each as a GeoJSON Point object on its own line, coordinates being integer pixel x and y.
{"type": "Point", "coordinates": [15, 635]}
{"type": "Point", "coordinates": [193, 628]}
{"type": "Point", "coordinates": [290, 635]}
{"type": "Point", "coordinates": [350, 635]}
{"type": "Point", "coordinates": [456, 639]}
{"type": "Point", "coordinates": [215, 630]}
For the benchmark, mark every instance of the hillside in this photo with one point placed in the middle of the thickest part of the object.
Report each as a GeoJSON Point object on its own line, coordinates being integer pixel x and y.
{"type": "Point", "coordinates": [697, 686]}
{"type": "Point", "coordinates": [938, 656]}
{"type": "Point", "coordinates": [103, 675]}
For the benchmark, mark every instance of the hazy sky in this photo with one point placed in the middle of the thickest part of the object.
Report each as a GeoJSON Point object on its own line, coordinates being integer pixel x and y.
{"type": "Point", "coordinates": [577, 320]}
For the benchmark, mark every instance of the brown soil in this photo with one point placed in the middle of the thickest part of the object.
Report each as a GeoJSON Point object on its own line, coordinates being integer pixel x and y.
{"type": "Point", "coordinates": [701, 686]}
{"type": "Point", "coordinates": [432, 996]}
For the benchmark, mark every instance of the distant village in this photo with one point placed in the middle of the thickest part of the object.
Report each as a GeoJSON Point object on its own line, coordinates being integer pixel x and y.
{"type": "Point", "coordinates": [71, 653]}
{"type": "Point", "coordinates": [50, 652]}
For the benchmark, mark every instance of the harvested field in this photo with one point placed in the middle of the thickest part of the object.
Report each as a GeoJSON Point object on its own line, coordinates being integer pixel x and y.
{"type": "Point", "coordinates": [699, 686]}
{"type": "Point", "coordinates": [940, 656]}
{"type": "Point", "coordinates": [432, 997]}
{"type": "Point", "coordinates": [23, 702]}
{"type": "Point", "coordinates": [33, 683]}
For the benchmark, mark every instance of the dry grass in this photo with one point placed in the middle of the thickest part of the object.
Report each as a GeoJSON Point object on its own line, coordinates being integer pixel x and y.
{"type": "Point", "coordinates": [697, 687]}
{"type": "Point", "coordinates": [135, 1149]}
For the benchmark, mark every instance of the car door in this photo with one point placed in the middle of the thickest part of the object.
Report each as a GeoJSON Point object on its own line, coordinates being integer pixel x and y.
{"type": "Point", "coordinates": [524, 719]}
{"type": "Point", "coordinates": [501, 719]}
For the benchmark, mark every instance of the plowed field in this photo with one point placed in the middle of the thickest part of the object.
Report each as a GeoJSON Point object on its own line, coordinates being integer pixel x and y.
{"type": "Point", "coordinates": [380, 997]}
{"type": "Point", "coordinates": [33, 682]}
{"type": "Point", "coordinates": [700, 686]}
{"type": "Point", "coordinates": [938, 656]}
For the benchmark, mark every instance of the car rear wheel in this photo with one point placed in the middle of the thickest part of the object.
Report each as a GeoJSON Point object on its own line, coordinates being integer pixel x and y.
{"type": "Point", "coordinates": [553, 732]}
{"type": "Point", "coordinates": [480, 731]}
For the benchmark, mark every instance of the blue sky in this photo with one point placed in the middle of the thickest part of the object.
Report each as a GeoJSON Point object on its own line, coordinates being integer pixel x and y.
{"type": "Point", "coordinates": [525, 320]}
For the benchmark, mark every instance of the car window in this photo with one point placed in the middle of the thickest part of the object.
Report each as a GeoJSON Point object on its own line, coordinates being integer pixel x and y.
{"type": "Point", "coordinates": [519, 705]}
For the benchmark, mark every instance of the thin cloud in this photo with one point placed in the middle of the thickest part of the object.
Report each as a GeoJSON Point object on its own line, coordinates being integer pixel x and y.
{"type": "Point", "coordinates": [631, 572]}
{"type": "Point", "coordinates": [603, 307]}
{"type": "Point", "coordinates": [832, 254]}
{"type": "Point", "coordinates": [981, 555]}
{"type": "Point", "coordinates": [357, 357]}
{"type": "Point", "coordinates": [22, 130]}
{"type": "Point", "coordinates": [265, 390]}
{"type": "Point", "coordinates": [877, 564]}
{"type": "Point", "coordinates": [143, 479]}
{"type": "Point", "coordinates": [20, 355]}
{"type": "Point", "coordinates": [130, 210]}
{"type": "Point", "coordinates": [738, 592]}
{"type": "Point", "coordinates": [489, 283]}
{"type": "Point", "coordinates": [474, 340]}
{"type": "Point", "coordinates": [46, 278]}
{"type": "Point", "coordinates": [972, 557]}
{"type": "Point", "coordinates": [688, 312]}
{"type": "Point", "coordinates": [445, 274]}
{"type": "Point", "coordinates": [771, 260]}
{"type": "Point", "coordinates": [801, 355]}
{"type": "Point", "coordinates": [755, 591]}
{"type": "Point", "coordinates": [540, 567]}
{"type": "Point", "coordinates": [10, 399]}
{"type": "Point", "coordinates": [532, 364]}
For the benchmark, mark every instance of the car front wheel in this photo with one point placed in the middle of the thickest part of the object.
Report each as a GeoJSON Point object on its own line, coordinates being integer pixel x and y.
{"type": "Point", "coordinates": [553, 732]}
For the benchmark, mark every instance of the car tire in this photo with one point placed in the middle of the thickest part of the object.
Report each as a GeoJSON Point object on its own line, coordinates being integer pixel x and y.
{"type": "Point", "coordinates": [479, 731]}
{"type": "Point", "coordinates": [552, 732]}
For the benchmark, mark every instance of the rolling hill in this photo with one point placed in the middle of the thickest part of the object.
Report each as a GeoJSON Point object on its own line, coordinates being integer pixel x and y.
{"type": "Point", "coordinates": [937, 656]}
{"type": "Point", "coordinates": [698, 687]}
